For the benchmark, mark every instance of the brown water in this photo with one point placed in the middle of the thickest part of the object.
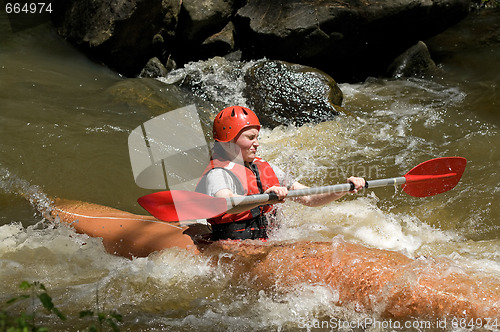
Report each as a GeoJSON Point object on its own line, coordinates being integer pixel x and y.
{"type": "Point", "coordinates": [64, 124]}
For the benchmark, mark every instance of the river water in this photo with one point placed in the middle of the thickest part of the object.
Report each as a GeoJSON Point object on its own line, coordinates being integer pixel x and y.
{"type": "Point", "coordinates": [64, 124]}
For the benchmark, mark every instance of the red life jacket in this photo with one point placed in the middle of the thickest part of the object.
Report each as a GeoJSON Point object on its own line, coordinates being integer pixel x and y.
{"type": "Point", "coordinates": [247, 180]}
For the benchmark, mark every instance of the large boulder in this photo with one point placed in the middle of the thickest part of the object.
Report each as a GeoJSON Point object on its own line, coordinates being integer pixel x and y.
{"type": "Point", "coordinates": [281, 93]}
{"type": "Point", "coordinates": [286, 93]}
{"type": "Point", "coordinates": [124, 34]}
{"type": "Point", "coordinates": [349, 40]}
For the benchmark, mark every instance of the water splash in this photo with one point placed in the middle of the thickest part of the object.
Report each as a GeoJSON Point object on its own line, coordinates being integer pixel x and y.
{"type": "Point", "coordinates": [10, 184]}
{"type": "Point", "coordinates": [216, 79]}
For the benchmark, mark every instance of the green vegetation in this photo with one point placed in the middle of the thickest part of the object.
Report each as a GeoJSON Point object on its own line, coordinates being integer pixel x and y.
{"type": "Point", "coordinates": [23, 321]}
{"type": "Point", "coordinates": [103, 319]}
{"type": "Point", "coordinates": [26, 322]}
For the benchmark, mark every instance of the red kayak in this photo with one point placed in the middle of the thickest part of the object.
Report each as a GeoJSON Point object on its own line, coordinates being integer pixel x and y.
{"type": "Point", "coordinates": [123, 233]}
{"type": "Point", "coordinates": [385, 283]}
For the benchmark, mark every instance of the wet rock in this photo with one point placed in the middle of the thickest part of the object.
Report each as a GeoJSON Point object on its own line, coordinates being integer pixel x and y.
{"type": "Point", "coordinates": [234, 56]}
{"type": "Point", "coordinates": [204, 29]}
{"type": "Point", "coordinates": [480, 29]}
{"type": "Point", "coordinates": [204, 17]}
{"type": "Point", "coordinates": [221, 43]}
{"type": "Point", "coordinates": [122, 34]}
{"type": "Point", "coordinates": [348, 40]}
{"type": "Point", "coordinates": [146, 94]}
{"type": "Point", "coordinates": [285, 93]}
{"type": "Point", "coordinates": [416, 61]}
{"type": "Point", "coordinates": [155, 98]}
{"type": "Point", "coordinates": [154, 68]}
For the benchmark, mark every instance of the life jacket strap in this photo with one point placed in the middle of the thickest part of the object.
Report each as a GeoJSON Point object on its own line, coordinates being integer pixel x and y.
{"type": "Point", "coordinates": [253, 229]}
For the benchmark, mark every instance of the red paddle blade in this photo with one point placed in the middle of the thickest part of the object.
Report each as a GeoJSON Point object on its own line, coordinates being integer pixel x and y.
{"type": "Point", "coordinates": [180, 205]}
{"type": "Point", "coordinates": [434, 176]}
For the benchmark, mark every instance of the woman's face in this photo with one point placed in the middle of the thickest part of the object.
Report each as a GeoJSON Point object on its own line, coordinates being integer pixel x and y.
{"type": "Point", "coordinates": [247, 141]}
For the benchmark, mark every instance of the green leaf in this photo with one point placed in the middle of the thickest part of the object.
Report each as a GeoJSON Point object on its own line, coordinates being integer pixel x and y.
{"type": "Point", "coordinates": [114, 326]}
{"type": "Point", "coordinates": [25, 285]}
{"type": "Point", "coordinates": [117, 316]}
{"type": "Point", "coordinates": [12, 300]}
{"type": "Point", "coordinates": [86, 313]}
{"type": "Point", "coordinates": [18, 298]}
{"type": "Point", "coordinates": [59, 314]}
{"type": "Point", "coordinates": [101, 316]}
{"type": "Point", "coordinates": [46, 301]}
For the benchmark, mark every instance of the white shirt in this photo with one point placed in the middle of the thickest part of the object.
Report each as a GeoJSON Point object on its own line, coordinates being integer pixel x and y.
{"type": "Point", "coordinates": [219, 178]}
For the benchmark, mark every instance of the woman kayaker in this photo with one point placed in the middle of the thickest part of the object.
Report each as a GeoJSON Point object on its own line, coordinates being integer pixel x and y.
{"type": "Point", "coordinates": [236, 170]}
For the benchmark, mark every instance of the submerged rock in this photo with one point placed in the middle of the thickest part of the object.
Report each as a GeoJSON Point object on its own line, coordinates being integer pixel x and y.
{"type": "Point", "coordinates": [416, 61]}
{"type": "Point", "coordinates": [146, 94]}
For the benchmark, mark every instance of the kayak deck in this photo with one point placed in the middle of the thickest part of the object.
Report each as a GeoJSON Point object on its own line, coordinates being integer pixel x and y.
{"type": "Point", "coordinates": [123, 233]}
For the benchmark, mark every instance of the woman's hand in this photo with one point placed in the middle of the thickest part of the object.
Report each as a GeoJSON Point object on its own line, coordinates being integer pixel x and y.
{"type": "Point", "coordinates": [359, 183]}
{"type": "Point", "coordinates": [281, 192]}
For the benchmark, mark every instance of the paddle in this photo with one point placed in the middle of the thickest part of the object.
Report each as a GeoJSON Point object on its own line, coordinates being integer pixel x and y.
{"type": "Point", "coordinates": [429, 178]}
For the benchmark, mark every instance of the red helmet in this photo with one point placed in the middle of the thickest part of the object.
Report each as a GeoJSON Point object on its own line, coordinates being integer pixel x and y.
{"type": "Point", "coordinates": [231, 120]}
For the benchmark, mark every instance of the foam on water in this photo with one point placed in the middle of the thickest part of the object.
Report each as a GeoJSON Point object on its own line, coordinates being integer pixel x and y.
{"type": "Point", "coordinates": [176, 289]}
{"type": "Point", "coordinates": [216, 79]}
{"type": "Point", "coordinates": [389, 140]}
{"type": "Point", "coordinates": [360, 221]}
